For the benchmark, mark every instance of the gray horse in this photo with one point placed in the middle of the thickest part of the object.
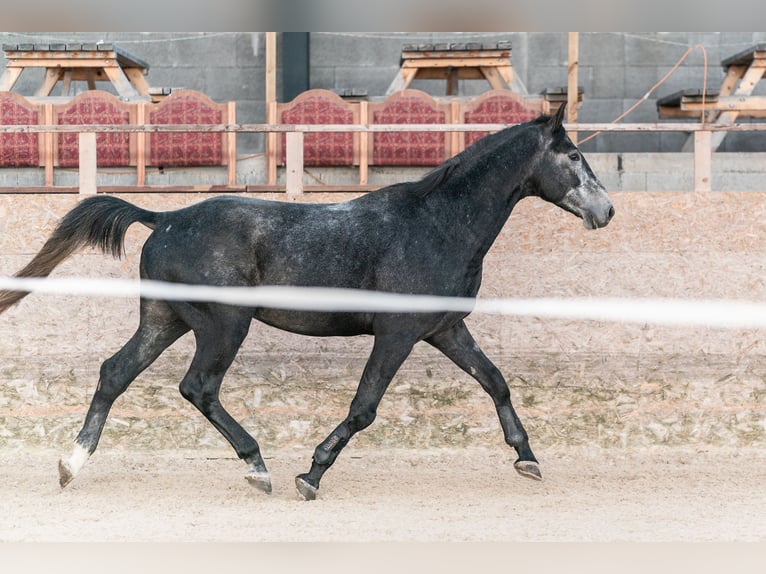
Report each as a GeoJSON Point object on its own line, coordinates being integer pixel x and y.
{"type": "Point", "coordinates": [424, 237]}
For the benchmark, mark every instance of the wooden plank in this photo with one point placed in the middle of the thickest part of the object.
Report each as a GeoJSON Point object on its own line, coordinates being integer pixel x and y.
{"type": "Point", "coordinates": [702, 161]}
{"type": "Point", "coordinates": [572, 75]}
{"type": "Point", "coordinates": [403, 78]}
{"type": "Point", "coordinates": [738, 103]}
{"type": "Point", "coordinates": [142, 149]}
{"type": "Point", "coordinates": [746, 85]}
{"type": "Point", "coordinates": [51, 78]}
{"type": "Point", "coordinates": [745, 57]}
{"type": "Point", "coordinates": [271, 67]}
{"type": "Point", "coordinates": [446, 73]}
{"type": "Point", "coordinates": [48, 153]}
{"type": "Point", "coordinates": [455, 142]}
{"type": "Point", "coordinates": [453, 82]}
{"type": "Point", "coordinates": [66, 82]}
{"type": "Point", "coordinates": [65, 63]}
{"type": "Point", "coordinates": [231, 144]}
{"type": "Point", "coordinates": [137, 77]}
{"type": "Point", "coordinates": [365, 143]}
{"type": "Point", "coordinates": [271, 144]}
{"type": "Point", "coordinates": [446, 54]}
{"type": "Point", "coordinates": [121, 83]}
{"type": "Point", "coordinates": [455, 63]}
{"type": "Point", "coordinates": [667, 111]}
{"type": "Point", "coordinates": [87, 171]}
{"type": "Point", "coordinates": [492, 75]}
{"type": "Point", "coordinates": [9, 77]}
{"type": "Point", "coordinates": [294, 161]}
{"type": "Point", "coordinates": [513, 81]}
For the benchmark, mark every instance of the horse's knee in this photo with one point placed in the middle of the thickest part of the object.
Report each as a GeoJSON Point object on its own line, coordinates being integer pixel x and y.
{"type": "Point", "coordinates": [362, 420]}
{"type": "Point", "coordinates": [198, 393]}
{"type": "Point", "coordinates": [191, 390]}
{"type": "Point", "coordinates": [112, 381]}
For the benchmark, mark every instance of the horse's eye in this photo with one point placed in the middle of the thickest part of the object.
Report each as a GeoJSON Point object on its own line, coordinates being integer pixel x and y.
{"type": "Point", "coordinates": [574, 156]}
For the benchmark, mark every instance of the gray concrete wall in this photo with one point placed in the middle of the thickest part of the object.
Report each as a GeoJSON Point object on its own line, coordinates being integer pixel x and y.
{"type": "Point", "coordinates": [616, 70]}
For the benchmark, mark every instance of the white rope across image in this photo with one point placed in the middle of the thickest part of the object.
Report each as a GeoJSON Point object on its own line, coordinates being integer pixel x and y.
{"type": "Point", "coordinates": [732, 314]}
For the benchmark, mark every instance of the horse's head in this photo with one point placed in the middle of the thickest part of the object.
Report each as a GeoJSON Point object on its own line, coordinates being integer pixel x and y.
{"type": "Point", "coordinates": [565, 179]}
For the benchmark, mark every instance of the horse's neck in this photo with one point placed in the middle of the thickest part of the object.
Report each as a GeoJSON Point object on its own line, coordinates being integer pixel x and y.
{"type": "Point", "coordinates": [479, 199]}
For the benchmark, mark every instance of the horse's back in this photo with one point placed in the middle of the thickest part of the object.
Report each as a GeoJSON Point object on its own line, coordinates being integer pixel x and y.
{"type": "Point", "coordinates": [249, 241]}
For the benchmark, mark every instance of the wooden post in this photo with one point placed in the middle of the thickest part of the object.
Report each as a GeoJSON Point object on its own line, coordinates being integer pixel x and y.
{"type": "Point", "coordinates": [47, 147]}
{"type": "Point", "coordinates": [365, 143]}
{"type": "Point", "coordinates": [231, 144]}
{"type": "Point", "coordinates": [271, 106]}
{"type": "Point", "coordinates": [574, 63]}
{"type": "Point", "coordinates": [141, 146]}
{"type": "Point", "coordinates": [271, 67]}
{"type": "Point", "coordinates": [87, 143]}
{"type": "Point", "coordinates": [271, 144]}
{"type": "Point", "coordinates": [703, 161]}
{"type": "Point", "coordinates": [294, 163]}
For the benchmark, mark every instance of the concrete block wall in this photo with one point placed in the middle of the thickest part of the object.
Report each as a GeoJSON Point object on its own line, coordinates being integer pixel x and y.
{"type": "Point", "coordinates": [616, 70]}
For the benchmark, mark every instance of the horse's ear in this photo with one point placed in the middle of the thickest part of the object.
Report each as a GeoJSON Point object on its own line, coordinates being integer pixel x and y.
{"type": "Point", "coordinates": [558, 119]}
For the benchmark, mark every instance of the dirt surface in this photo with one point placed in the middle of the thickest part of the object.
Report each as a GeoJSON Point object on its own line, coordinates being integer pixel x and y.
{"type": "Point", "coordinates": [598, 495]}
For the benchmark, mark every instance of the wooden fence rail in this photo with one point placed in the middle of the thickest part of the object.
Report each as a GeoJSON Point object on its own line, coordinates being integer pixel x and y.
{"type": "Point", "coordinates": [295, 133]}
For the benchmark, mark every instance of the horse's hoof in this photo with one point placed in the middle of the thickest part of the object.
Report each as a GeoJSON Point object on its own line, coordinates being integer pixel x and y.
{"type": "Point", "coordinates": [260, 480]}
{"type": "Point", "coordinates": [65, 474]}
{"type": "Point", "coordinates": [306, 490]}
{"type": "Point", "coordinates": [528, 469]}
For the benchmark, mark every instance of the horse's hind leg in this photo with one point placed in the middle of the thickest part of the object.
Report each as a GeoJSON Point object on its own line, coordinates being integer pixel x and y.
{"type": "Point", "coordinates": [387, 356]}
{"type": "Point", "coordinates": [219, 335]}
{"type": "Point", "coordinates": [459, 345]}
{"type": "Point", "coordinates": [159, 327]}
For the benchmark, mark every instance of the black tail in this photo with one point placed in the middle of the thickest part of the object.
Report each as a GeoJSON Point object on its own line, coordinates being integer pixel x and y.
{"type": "Point", "coordinates": [99, 221]}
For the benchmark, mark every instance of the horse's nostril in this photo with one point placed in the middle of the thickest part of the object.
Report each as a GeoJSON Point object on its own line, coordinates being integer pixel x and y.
{"type": "Point", "coordinates": [611, 212]}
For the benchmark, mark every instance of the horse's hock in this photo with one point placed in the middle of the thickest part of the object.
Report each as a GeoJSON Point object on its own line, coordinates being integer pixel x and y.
{"type": "Point", "coordinates": [573, 382]}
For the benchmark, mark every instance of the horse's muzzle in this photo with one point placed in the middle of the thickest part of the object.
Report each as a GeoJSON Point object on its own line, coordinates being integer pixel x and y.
{"type": "Point", "coordinates": [595, 219]}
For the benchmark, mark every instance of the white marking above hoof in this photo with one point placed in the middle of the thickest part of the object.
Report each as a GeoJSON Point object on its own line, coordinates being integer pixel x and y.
{"type": "Point", "coordinates": [259, 480]}
{"type": "Point", "coordinates": [68, 469]}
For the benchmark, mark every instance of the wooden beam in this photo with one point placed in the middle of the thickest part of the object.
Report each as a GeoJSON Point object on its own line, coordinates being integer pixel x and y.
{"type": "Point", "coordinates": [48, 154]}
{"type": "Point", "coordinates": [294, 163]}
{"type": "Point", "coordinates": [572, 88]}
{"type": "Point", "coordinates": [9, 78]}
{"type": "Point", "coordinates": [271, 144]}
{"type": "Point", "coordinates": [87, 171]}
{"type": "Point", "coordinates": [231, 144]}
{"type": "Point", "coordinates": [452, 62]}
{"type": "Point", "coordinates": [702, 161]}
{"type": "Point", "coordinates": [142, 149]}
{"type": "Point", "coordinates": [121, 83]}
{"type": "Point", "coordinates": [51, 78]}
{"type": "Point", "coordinates": [365, 143]}
{"type": "Point", "coordinates": [738, 103]}
{"type": "Point", "coordinates": [271, 67]}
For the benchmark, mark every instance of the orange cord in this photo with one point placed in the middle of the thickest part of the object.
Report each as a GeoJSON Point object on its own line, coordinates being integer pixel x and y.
{"type": "Point", "coordinates": [658, 84]}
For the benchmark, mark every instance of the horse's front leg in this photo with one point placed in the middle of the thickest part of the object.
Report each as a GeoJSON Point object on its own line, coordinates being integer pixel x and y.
{"type": "Point", "coordinates": [458, 344]}
{"type": "Point", "coordinates": [387, 356]}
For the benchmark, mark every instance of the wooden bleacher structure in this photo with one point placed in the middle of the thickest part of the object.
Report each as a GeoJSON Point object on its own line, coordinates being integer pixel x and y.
{"type": "Point", "coordinates": [136, 150]}
{"type": "Point", "coordinates": [733, 100]}
{"type": "Point", "coordinates": [319, 106]}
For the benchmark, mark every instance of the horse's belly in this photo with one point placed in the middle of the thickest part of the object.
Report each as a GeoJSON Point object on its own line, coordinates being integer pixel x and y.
{"type": "Point", "coordinates": [318, 324]}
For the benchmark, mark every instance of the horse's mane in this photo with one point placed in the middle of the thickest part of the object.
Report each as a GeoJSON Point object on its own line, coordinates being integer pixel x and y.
{"type": "Point", "coordinates": [437, 176]}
